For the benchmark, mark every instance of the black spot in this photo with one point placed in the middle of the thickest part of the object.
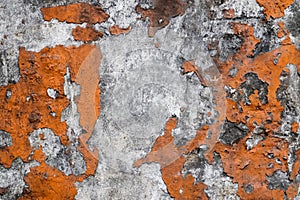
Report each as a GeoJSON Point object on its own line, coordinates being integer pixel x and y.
{"type": "Point", "coordinates": [248, 188]}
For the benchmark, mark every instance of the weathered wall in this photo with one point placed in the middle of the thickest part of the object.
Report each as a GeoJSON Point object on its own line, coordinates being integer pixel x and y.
{"type": "Point", "coordinates": [148, 99]}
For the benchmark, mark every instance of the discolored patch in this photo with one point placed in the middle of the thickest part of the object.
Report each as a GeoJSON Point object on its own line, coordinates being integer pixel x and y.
{"type": "Point", "coordinates": [87, 34]}
{"type": "Point", "coordinates": [161, 13]}
{"type": "Point", "coordinates": [116, 30]}
{"type": "Point", "coordinates": [229, 13]}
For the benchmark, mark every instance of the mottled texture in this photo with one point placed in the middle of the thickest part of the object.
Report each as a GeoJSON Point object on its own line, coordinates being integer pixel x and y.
{"type": "Point", "coordinates": [147, 99]}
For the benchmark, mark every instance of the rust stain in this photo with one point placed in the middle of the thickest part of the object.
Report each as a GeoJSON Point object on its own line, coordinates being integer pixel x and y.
{"type": "Point", "coordinates": [229, 13]}
{"type": "Point", "coordinates": [274, 8]}
{"type": "Point", "coordinates": [116, 30]}
{"type": "Point", "coordinates": [77, 13]}
{"type": "Point", "coordinates": [161, 13]}
{"type": "Point", "coordinates": [87, 34]}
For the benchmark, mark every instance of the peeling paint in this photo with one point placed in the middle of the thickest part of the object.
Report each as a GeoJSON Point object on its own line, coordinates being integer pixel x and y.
{"type": "Point", "coordinates": [75, 13]}
{"type": "Point", "coordinates": [161, 13]}
{"type": "Point", "coordinates": [87, 34]}
{"type": "Point", "coordinates": [274, 9]}
{"type": "Point", "coordinates": [232, 129]}
{"type": "Point", "coordinates": [116, 30]}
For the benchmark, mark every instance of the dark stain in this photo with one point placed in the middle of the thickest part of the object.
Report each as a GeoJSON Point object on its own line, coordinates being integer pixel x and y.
{"type": "Point", "coordinates": [161, 13]}
{"type": "Point", "coordinates": [229, 44]}
{"type": "Point", "coordinates": [233, 132]}
{"type": "Point", "coordinates": [251, 84]}
{"type": "Point", "coordinates": [34, 117]}
{"type": "Point", "coordinates": [248, 188]}
{"type": "Point", "coordinates": [293, 23]}
{"type": "Point", "coordinates": [3, 191]}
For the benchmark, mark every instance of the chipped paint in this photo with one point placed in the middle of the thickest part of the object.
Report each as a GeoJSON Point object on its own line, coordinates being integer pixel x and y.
{"type": "Point", "coordinates": [246, 142]}
{"type": "Point", "coordinates": [274, 8]}
{"type": "Point", "coordinates": [171, 159]}
{"type": "Point", "coordinates": [161, 13]}
{"type": "Point", "coordinates": [75, 13]}
{"type": "Point", "coordinates": [40, 71]}
{"type": "Point", "coordinates": [116, 30]}
{"type": "Point", "coordinates": [247, 167]}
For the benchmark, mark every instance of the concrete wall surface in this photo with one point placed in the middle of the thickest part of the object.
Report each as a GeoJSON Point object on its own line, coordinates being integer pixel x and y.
{"type": "Point", "coordinates": [149, 99]}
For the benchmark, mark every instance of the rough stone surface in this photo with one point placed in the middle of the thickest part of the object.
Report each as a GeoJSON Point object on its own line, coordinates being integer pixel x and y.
{"type": "Point", "coordinates": [147, 99]}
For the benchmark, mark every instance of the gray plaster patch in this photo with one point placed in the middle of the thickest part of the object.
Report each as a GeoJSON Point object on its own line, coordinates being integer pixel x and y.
{"type": "Point", "coordinates": [67, 159]}
{"type": "Point", "coordinates": [278, 180]}
{"type": "Point", "coordinates": [5, 139]}
{"type": "Point", "coordinates": [12, 182]}
{"type": "Point", "coordinates": [142, 184]}
{"type": "Point", "coordinates": [232, 132]}
{"type": "Point", "coordinates": [220, 186]}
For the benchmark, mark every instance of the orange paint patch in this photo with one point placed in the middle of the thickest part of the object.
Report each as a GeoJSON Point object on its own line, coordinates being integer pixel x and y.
{"type": "Point", "coordinates": [282, 30]}
{"type": "Point", "coordinates": [251, 167]}
{"type": "Point", "coordinates": [296, 166]}
{"type": "Point", "coordinates": [30, 107]}
{"type": "Point", "coordinates": [295, 127]}
{"type": "Point", "coordinates": [160, 15]}
{"type": "Point", "coordinates": [49, 183]}
{"type": "Point", "coordinates": [268, 71]}
{"type": "Point", "coordinates": [292, 191]}
{"type": "Point", "coordinates": [116, 30]}
{"type": "Point", "coordinates": [75, 13]}
{"type": "Point", "coordinates": [87, 34]}
{"type": "Point", "coordinates": [274, 8]}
